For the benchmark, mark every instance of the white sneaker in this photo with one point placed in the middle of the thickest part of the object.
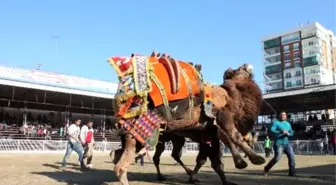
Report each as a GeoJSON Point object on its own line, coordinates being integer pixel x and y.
{"type": "Point", "coordinates": [89, 165]}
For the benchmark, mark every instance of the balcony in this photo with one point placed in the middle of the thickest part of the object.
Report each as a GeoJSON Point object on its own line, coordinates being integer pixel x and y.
{"type": "Point", "coordinates": [273, 69]}
{"type": "Point", "coordinates": [312, 52]}
{"type": "Point", "coordinates": [307, 34]}
{"type": "Point", "coordinates": [290, 85]}
{"type": "Point", "coordinates": [272, 43]}
{"type": "Point", "coordinates": [273, 86]}
{"type": "Point", "coordinates": [273, 78]}
{"type": "Point", "coordinates": [311, 61]}
{"type": "Point", "coordinates": [290, 38]}
{"type": "Point", "coordinates": [271, 52]}
{"type": "Point", "coordinates": [270, 63]}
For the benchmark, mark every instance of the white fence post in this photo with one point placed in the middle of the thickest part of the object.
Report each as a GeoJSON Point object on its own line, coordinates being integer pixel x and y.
{"type": "Point", "coordinates": [18, 145]}
{"type": "Point", "coordinates": [43, 145]}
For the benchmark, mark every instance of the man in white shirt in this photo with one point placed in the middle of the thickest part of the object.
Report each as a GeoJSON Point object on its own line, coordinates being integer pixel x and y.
{"type": "Point", "coordinates": [74, 144]}
{"type": "Point", "coordinates": [87, 139]}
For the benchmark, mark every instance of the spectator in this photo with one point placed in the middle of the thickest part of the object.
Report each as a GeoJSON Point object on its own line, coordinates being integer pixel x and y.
{"type": "Point", "coordinates": [321, 146]}
{"type": "Point", "coordinates": [333, 142]}
{"type": "Point", "coordinates": [61, 132]}
{"type": "Point", "coordinates": [326, 144]}
{"type": "Point", "coordinates": [267, 144]}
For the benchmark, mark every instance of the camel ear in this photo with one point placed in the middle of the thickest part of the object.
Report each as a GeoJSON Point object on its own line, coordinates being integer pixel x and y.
{"type": "Point", "coordinates": [249, 68]}
{"type": "Point", "coordinates": [228, 74]}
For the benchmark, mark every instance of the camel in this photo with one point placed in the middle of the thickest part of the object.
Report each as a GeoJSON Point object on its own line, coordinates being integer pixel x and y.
{"type": "Point", "coordinates": [177, 92]}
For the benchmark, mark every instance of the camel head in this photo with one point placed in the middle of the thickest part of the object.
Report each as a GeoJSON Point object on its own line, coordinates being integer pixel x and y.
{"type": "Point", "coordinates": [127, 104]}
{"type": "Point", "coordinates": [244, 72]}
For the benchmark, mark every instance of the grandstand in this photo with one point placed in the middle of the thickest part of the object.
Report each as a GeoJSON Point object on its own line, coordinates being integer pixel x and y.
{"type": "Point", "coordinates": [50, 100]}
{"type": "Point", "coordinates": [311, 110]}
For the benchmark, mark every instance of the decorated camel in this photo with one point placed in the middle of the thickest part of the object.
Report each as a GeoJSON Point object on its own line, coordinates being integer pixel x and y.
{"type": "Point", "coordinates": [161, 94]}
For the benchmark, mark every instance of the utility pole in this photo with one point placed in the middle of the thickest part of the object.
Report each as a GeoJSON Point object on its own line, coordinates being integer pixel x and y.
{"type": "Point", "coordinates": [39, 66]}
{"type": "Point", "coordinates": [56, 43]}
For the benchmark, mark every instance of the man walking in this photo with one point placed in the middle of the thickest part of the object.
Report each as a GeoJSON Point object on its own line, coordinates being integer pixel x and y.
{"type": "Point", "coordinates": [267, 145]}
{"type": "Point", "coordinates": [74, 144]}
{"type": "Point", "coordinates": [87, 139]}
{"type": "Point", "coordinates": [281, 129]}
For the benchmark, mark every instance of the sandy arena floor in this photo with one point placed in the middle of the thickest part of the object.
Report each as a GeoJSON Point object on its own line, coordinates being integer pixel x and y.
{"type": "Point", "coordinates": [43, 169]}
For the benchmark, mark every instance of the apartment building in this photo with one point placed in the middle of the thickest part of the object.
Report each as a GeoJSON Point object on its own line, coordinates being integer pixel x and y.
{"type": "Point", "coordinates": [299, 58]}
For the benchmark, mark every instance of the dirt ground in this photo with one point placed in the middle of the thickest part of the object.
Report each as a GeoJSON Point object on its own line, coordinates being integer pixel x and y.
{"type": "Point", "coordinates": [43, 169]}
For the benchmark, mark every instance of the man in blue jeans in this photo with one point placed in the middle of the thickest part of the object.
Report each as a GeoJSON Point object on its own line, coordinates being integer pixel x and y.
{"type": "Point", "coordinates": [281, 129]}
{"type": "Point", "coordinates": [74, 144]}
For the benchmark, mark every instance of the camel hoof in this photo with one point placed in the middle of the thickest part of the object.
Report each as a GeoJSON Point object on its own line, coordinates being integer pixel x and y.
{"type": "Point", "coordinates": [240, 164]}
{"type": "Point", "coordinates": [193, 180]}
{"type": "Point", "coordinates": [161, 178]}
{"type": "Point", "coordinates": [258, 160]}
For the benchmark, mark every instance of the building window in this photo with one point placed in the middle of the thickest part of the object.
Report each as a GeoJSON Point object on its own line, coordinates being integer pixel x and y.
{"type": "Point", "coordinates": [287, 57]}
{"type": "Point", "coordinates": [290, 38]}
{"type": "Point", "coordinates": [310, 43]}
{"type": "Point", "coordinates": [296, 46]}
{"type": "Point", "coordinates": [297, 64]}
{"type": "Point", "coordinates": [315, 81]}
{"type": "Point", "coordinates": [272, 43]}
{"type": "Point", "coordinates": [288, 75]}
{"type": "Point", "coordinates": [298, 82]}
{"type": "Point", "coordinates": [273, 69]}
{"type": "Point", "coordinates": [310, 61]}
{"type": "Point", "coordinates": [297, 55]}
{"type": "Point", "coordinates": [286, 48]}
{"type": "Point", "coordinates": [288, 84]}
{"type": "Point", "coordinates": [287, 65]}
{"type": "Point", "coordinates": [312, 52]}
{"type": "Point", "coordinates": [298, 73]}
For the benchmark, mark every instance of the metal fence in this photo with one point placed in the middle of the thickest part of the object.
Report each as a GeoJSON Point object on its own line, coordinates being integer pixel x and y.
{"type": "Point", "coordinates": [301, 147]}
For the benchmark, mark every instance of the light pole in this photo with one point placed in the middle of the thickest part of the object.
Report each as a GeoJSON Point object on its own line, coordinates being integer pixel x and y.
{"type": "Point", "coordinates": [56, 43]}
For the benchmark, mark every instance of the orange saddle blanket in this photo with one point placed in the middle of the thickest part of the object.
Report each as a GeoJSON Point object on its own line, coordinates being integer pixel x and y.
{"type": "Point", "coordinates": [162, 72]}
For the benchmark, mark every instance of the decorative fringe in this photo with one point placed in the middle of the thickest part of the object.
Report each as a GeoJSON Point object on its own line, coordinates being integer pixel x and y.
{"type": "Point", "coordinates": [116, 68]}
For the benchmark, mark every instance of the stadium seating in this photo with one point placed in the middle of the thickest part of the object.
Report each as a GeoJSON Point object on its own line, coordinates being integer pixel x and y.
{"type": "Point", "coordinates": [14, 133]}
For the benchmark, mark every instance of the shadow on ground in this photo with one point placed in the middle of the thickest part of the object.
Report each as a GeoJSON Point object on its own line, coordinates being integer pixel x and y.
{"type": "Point", "coordinates": [306, 176]}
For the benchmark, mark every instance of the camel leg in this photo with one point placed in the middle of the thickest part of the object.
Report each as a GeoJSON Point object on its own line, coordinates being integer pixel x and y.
{"type": "Point", "coordinates": [215, 154]}
{"type": "Point", "coordinates": [200, 161]}
{"type": "Point", "coordinates": [178, 143]}
{"type": "Point", "coordinates": [156, 159]}
{"type": "Point", "coordinates": [226, 123]}
{"type": "Point", "coordinates": [240, 163]}
{"type": "Point", "coordinates": [126, 159]}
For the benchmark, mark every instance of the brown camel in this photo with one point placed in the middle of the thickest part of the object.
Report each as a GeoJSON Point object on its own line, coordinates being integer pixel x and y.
{"type": "Point", "coordinates": [233, 104]}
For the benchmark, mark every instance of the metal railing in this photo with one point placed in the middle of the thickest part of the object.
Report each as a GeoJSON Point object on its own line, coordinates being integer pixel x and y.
{"type": "Point", "coordinates": [300, 147]}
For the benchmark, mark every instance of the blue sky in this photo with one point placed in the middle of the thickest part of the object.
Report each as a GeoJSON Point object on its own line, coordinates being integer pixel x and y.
{"type": "Point", "coordinates": [217, 34]}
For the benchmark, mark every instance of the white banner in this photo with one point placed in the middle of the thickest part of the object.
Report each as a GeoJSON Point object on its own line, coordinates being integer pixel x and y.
{"type": "Point", "coordinates": [57, 80]}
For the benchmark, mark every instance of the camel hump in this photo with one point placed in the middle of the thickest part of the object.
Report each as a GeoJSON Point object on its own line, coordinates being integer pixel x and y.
{"type": "Point", "coordinates": [173, 68]}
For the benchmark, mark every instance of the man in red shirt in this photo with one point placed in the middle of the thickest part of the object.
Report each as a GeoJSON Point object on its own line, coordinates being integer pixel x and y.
{"type": "Point", "coordinates": [87, 140]}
